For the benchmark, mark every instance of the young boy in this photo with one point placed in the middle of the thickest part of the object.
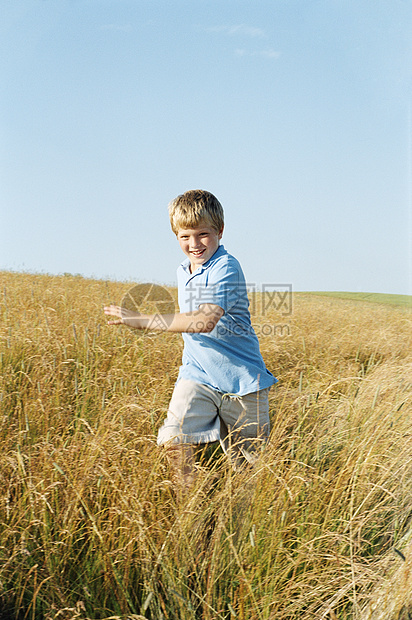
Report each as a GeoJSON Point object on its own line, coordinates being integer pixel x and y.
{"type": "Point", "coordinates": [222, 388]}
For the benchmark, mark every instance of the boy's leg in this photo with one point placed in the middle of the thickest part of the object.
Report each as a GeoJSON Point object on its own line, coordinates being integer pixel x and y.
{"type": "Point", "coordinates": [182, 466]}
{"type": "Point", "coordinates": [245, 426]}
{"type": "Point", "coordinates": [192, 419]}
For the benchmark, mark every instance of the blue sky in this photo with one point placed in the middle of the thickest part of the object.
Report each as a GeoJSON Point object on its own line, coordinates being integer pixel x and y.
{"type": "Point", "coordinates": [295, 113]}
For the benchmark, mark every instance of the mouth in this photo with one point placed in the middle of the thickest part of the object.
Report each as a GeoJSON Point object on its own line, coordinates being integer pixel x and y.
{"type": "Point", "coordinates": [197, 253]}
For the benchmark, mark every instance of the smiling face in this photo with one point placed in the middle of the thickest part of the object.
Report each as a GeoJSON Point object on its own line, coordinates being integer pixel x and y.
{"type": "Point", "coordinates": [199, 244]}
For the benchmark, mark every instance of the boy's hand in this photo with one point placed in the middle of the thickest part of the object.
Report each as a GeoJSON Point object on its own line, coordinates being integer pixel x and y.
{"type": "Point", "coordinates": [121, 313]}
{"type": "Point", "coordinates": [202, 320]}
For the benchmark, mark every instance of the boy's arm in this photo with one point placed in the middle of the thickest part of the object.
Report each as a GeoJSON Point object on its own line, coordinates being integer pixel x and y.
{"type": "Point", "coordinates": [203, 320]}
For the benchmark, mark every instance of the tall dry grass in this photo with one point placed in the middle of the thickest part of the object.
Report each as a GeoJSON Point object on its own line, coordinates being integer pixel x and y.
{"type": "Point", "coordinates": [90, 526]}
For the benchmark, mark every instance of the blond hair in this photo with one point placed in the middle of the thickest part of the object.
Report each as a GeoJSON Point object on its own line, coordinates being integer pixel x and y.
{"type": "Point", "coordinates": [196, 207]}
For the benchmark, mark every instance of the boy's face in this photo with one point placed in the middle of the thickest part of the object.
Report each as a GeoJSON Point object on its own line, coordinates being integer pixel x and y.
{"type": "Point", "coordinates": [199, 244]}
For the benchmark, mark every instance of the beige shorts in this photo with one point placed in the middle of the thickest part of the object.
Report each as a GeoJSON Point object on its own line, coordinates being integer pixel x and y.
{"type": "Point", "coordinates": [199, 414]}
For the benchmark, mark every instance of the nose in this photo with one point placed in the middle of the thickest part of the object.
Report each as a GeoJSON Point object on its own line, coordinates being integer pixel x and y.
{"type": "Point", "coordinates": [195, 243]}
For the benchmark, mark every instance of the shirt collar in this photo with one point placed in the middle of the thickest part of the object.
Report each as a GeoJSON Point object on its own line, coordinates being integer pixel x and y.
{"type": "Point", "coordinates": [186, 263]}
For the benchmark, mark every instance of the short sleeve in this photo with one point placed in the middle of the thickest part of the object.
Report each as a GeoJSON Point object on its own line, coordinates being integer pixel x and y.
{"type": "Point", "coordinates": [222, 287]}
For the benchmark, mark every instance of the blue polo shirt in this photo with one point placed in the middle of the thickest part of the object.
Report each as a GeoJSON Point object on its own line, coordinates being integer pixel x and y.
{"type": "Point", "coordinates": [228, 358]}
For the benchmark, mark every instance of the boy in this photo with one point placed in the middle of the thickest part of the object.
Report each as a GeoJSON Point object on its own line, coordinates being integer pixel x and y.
{"type": "Point", "coordinates": [222, 388]}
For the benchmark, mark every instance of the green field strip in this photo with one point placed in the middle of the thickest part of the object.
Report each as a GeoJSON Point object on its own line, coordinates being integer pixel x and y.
{"type": "Point", "coordinates": [379, 298]}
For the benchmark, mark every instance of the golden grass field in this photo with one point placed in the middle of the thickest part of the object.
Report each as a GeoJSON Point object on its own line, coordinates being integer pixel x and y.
{"type": "Point", "coordinates": [90, 527]}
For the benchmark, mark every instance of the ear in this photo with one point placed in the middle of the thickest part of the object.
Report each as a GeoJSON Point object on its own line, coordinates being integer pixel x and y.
{"type": "Point", "coordinates": [221, 232]}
